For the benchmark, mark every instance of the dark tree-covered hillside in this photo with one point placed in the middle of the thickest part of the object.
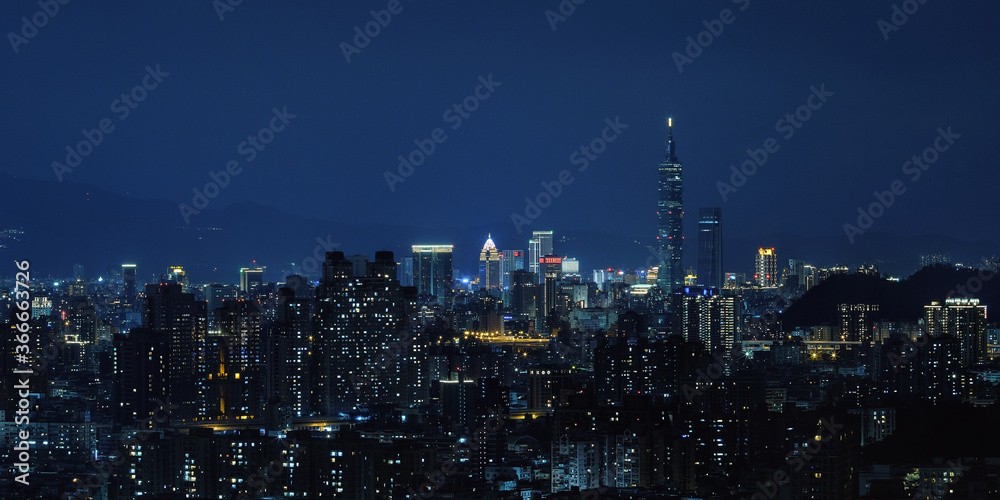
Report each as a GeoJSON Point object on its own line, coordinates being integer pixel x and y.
{"type": "Point", "coordinates": [897, 301]}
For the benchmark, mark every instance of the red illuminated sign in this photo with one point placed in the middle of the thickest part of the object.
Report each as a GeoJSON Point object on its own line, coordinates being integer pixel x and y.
{"type": "Point", "coordinates": [550, 260]}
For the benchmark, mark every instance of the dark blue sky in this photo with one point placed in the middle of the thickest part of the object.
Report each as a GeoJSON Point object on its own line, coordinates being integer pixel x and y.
{"type": "Point", "coordinates": [605, 60]}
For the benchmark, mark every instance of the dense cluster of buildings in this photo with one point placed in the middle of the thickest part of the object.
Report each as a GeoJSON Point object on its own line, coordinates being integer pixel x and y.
{"type": "Point", "coordinates": [387, 377]}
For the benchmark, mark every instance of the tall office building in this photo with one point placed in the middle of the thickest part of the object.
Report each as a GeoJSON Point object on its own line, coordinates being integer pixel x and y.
{"type": "Point", "coordinates": [766, 268]}
{"type": "Point", "coordinates": [710, 247]}
{"type": "Point", "coordinates": [539, 246]}
{"type": "Point", "coordinates": [251, 279]}
{"type": "Point", "coordinates": [670, 214]}
{"type": "Point", "coordinates": [489, 266]}
{"type": "Point", "coordinates": [128, 284]}
{"type": "Point", "coordinates": [800, 274]}
{"type": "Point", "coordinates": [570, 268]}
{"type": "Point", "coordinates": [522, 295]}
{"type": "Point", "coordinates": [215, 294]}
{"type": "Point", "coordinates": [176, 274]}
{"type": "Point", "coordinates": [551, 269]}
{"type": "Point", "coordinates": [432, 272]}
{"type": "Point", "coordinates": [78, 272]}
{"type": "Point", "coordinates": [510, 261]}
{"type": "Point", "coordinates": [405, 266]}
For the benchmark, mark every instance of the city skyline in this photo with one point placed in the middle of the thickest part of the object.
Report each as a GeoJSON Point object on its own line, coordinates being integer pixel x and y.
{"type": "Point", "coordinates": [802, 153]}
{"type": "Point", "coordinates": [398, 249]}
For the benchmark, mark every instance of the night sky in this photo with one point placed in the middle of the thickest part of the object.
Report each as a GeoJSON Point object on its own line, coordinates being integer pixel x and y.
{"type": "Point", "coordinates": [556, 89]}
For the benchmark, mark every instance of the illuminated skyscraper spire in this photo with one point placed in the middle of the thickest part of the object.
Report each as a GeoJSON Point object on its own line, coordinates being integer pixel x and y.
{"type": "Point", "coordinates": [670, 215]}
{"type": "Point", "coordinates": [489, 265]}
{"type": "Point", "coordinates": [671, 148]}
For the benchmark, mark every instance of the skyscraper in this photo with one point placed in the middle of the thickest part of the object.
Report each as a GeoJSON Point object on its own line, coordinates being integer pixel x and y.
{"type": "Point", "coordinates": [766, 268]}
{"type": "Point", "coordinates": [539, 246]}
{"type": "Point", "coordinates": [176, 274]}
{"type": "Point", "coordinates": [489, 266]}
{"type": "Point", "coordinates": [432, 272]}
{"type": "Point", "coordinates": [670, 213]}
{"type": "Point", "coordinates": [128, 284]}
{"type": "Point", "coordinates": [551, 269]}
{"type": "Point", "coordinates": [405, 267]}
{"type": "Point", "coordinates": [523, 296]}
{"type": "Point", "coordinates": [510, 261]}
{"type": "Point", "coordinates": [250, 279]}
{"type": "Point", "coordinates": [710, 247]}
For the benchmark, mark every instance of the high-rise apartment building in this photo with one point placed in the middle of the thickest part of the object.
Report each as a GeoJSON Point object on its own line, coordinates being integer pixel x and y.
{"type": "Point", "coordinates": [963, 318]}
{"type": "Point", "coordinates": [766, 268]}
{"type": "Point", "coordinates": [357, 317]}
{"type": "Point", "coordinates": [857, 322]}
{"type": "Point", "coordinates": [289, 355]}
{"type": "Point", "coordinates": [183, 321]}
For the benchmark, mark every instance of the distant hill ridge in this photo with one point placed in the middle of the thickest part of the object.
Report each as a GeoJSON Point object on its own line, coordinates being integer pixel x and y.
{"type": "Point", "coordinates": [66, 223]}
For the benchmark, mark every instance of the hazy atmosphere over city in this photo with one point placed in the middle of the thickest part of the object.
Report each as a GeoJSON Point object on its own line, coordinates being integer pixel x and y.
{"type": "Point", "coordinates": [788, 209]}
{"type": "Point", "coordinates": [558, 78]}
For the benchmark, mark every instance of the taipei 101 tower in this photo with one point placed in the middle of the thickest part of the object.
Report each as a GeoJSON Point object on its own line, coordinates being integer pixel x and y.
{"type": "Point", "coordinates": [670, 218]}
